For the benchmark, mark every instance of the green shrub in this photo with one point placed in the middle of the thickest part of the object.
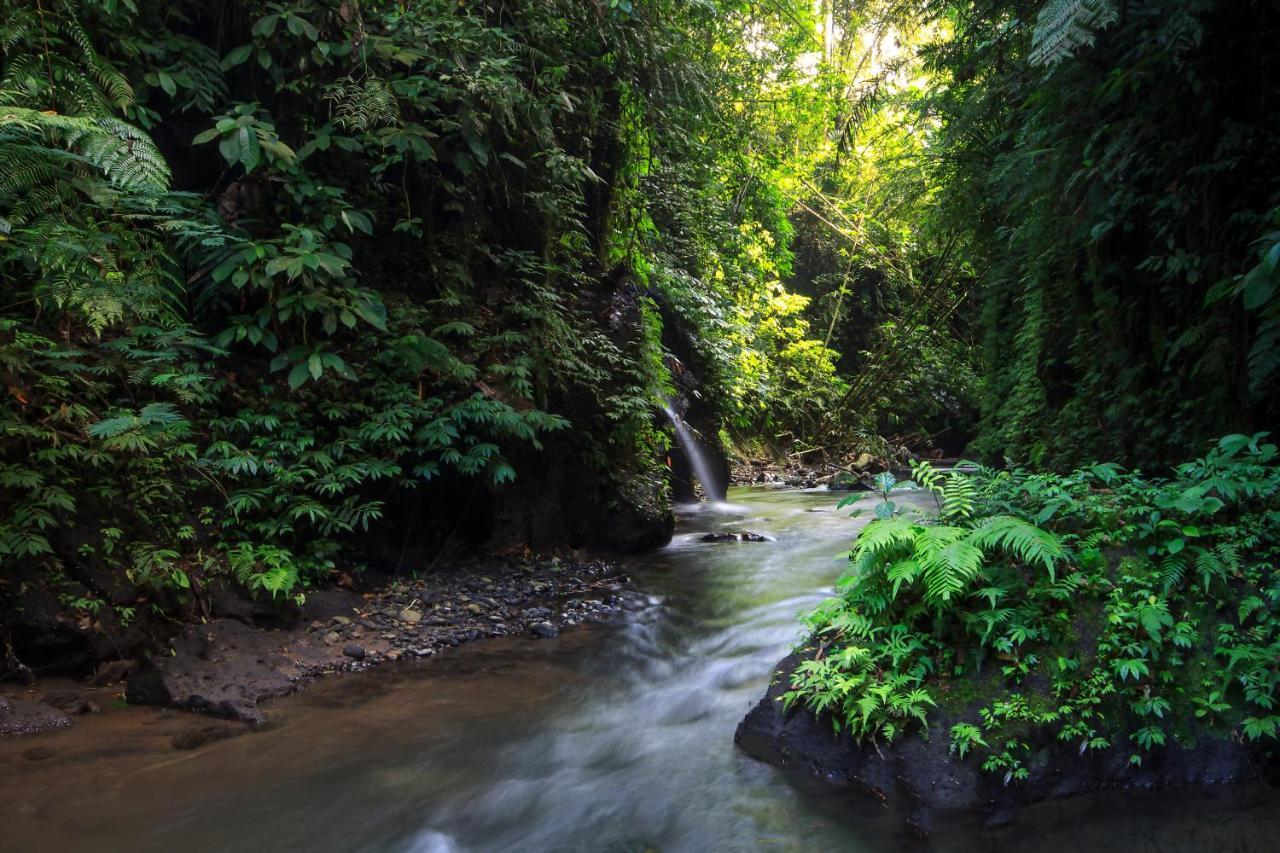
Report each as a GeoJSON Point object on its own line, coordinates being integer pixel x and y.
{"type": "Point", "coordinates": [1142, 608]}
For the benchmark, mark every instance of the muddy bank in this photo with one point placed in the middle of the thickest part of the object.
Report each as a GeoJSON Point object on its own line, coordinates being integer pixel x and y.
{"type": "Point", "coordinates": [923, 779]}
{"type": "Point", "coordinates": [250, 650]}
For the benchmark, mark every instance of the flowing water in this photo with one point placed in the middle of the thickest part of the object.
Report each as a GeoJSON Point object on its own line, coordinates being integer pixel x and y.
{"type": "Point", "coordinates": [698, 461]}
{"type": "Point", "coordinates": [616, 737]}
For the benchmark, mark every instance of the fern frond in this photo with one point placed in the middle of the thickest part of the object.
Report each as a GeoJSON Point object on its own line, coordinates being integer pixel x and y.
{"type": "Point", "coordinates": [883, 536]}
{"type": "Point", "coordinates": [125, 155]}
{"type": "Point", "coordinates": [958, 497]}
{"type": "Point", "coordinates": [949, 562]}
{"type": "Point", "coordinates": [363, 106]}
{"type": "Point", "coordinates": [1065, 25]}
{"type": "Point", "coordinates": [1172, 570]}
{"type": "Point", "coordinates": [1028, 542]}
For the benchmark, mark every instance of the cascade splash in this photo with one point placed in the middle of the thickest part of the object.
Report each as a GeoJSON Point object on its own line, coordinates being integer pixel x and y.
{"type": "Point", "coordinates": [714, 490]}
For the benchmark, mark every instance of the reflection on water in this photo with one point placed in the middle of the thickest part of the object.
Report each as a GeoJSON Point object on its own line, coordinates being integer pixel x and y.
{"type": "Point", "coordinates": [616, 737]}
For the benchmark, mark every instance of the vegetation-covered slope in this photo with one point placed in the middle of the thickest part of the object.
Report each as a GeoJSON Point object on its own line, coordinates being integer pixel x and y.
{"type": "Point", "coordinates": [268, 265]}
{"type": "Point", "coordinates": [1103, 609]}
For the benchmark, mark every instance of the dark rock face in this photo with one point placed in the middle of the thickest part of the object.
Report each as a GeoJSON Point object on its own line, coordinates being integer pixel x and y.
{"type": "Point", "coordinates": [928, 781]}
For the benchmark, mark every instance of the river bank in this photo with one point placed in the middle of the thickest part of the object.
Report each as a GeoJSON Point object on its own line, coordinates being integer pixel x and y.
{"type": "Point", "coordinates": [251, 650]}
{"type": "Point", "coordinates": [618, 736]}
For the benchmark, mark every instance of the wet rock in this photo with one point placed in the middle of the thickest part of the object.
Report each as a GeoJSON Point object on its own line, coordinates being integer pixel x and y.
{"type": "Point", "coordinates": [474, 609]}
{"type": "Point", "coordinates": [544, 631]}
{"type": "Point", "coordinates": [411, 616]}
{"type": "Point", "coordinates": [333, 638]}
{"type": "Point", "coordinates": [353, 651]}
{"type": "Point", "coordinates": [66, 701]}
{"type": "Point", "coordinates": [745, 536]}
{"type": "Point", "coordinates": [111, 672]}
{"type": "Point", "coordinates": [221, 669]}
{"type": "Point", "coordinates": [344, 621]}
{"type": "Point", "coordinates": [18, 717]}
{"type": "Point", "coordinates": [147, 687]}
{"type": "Point", "coordinates": [924, 776]}
{"type": "Point", "coordinates": [846, 482]}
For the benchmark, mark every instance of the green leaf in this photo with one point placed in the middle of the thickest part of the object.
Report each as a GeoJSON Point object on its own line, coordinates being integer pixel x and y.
{"type": "Point", "coordinates": [298, 375]}
{"type": "Point", "coordinates": [230, 148]}
{"type": "Point", "coordinates": [357, 221]}
{"type": "Point", "coordinates": [236, 56]}
{"type": "Point", "coordinates": [250, 153]}
{"type": "Point", "coordinates": [265, 25]}
{"type": "Point", "coordinates": [372, 312]}
{"type": "Point", "coordinates": [1258, 287]}
{"type": "Point", "coordinates": [315, 365]}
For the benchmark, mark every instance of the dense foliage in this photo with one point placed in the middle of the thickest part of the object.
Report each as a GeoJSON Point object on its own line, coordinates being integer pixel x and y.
{"type": "Point", "coordinates": [1103, 608]}
{"type": "Point", "coordinates": [267, 264]}
{"type": "Point", "coordinates": [1100, 171]}
{"type": "Point", "coordinates": [268, 267]}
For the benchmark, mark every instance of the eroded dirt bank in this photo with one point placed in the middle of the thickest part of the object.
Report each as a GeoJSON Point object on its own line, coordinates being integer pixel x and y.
{"type": "Point", "coordinates": [248, 650]}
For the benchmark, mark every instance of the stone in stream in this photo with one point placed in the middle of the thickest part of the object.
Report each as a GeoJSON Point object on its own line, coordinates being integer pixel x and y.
{"type": "Point", "coordinates": [413, 617]}
{"type": "Point", "coordinates": [544, 631]}
{"type": "Point", "coordinates": [926, 775]}
{"type": "Point", "coordinates": [745, 536]}
{"type": "Point", "coordinates": [353, 651]}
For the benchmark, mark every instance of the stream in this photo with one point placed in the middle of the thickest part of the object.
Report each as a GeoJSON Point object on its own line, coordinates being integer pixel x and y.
{"type": "Point", "coordinates": [615, 737]}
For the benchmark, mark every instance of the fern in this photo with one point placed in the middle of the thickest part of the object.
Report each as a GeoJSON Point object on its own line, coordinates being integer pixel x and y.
{"type": "Point", "coordinates": [1066, 25]}
{"type": "Point", "coordinates": [363, 106]}
{"type": "Point", "coordinates": [1021, 538]}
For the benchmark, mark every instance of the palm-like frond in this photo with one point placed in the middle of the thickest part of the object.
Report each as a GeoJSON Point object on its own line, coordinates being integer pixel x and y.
{"type": "Point", "coordinates": [1065, 25]}
{"type": "Point", "coordinates": [1021, 538]}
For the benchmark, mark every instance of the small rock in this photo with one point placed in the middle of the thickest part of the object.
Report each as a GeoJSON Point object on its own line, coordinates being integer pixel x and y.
{"type": "Point", "coordinates": [66, 701]}
{"type": "Point", "coordinates": [544, 631]}
{"type": "Point", "coordinates": [424, 652]}
{"type": "Point", "coordinates": [733, 537]}
{"type": "Point", "coordinates": [351, 650]}
{"type": "Point", "coordinates": [474, 609]}
{"type": "Point", "coordinates": [111, 672]}
{"type": "Point", "coordinates": [413, 617]}
{"type": "Point", "coordinates": [332, 638]}
{"type": "Point", "coordinates": [341, 620]}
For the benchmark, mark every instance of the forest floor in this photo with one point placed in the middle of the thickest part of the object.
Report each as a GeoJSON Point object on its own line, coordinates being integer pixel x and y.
{"type": "Point", "coordinates": [251, 651]}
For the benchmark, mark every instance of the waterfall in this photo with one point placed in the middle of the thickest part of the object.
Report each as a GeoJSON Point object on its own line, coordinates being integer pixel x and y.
{"type": "Point", "coordinates": [697, 459]}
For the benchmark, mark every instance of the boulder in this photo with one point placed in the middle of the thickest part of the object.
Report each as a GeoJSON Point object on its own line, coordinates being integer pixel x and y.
{"type": "Point", "coordinates": [221, 669]}
{"type": "Point", "coordinates": [927, 781]}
